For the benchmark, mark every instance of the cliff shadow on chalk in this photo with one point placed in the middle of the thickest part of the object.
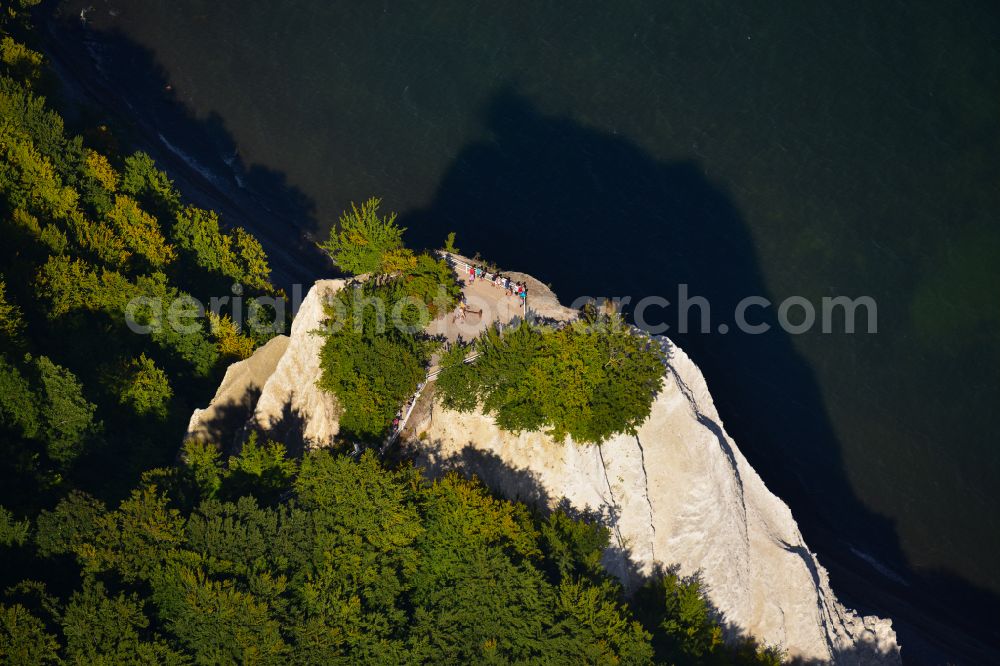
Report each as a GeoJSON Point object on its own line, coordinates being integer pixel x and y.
{"type": "Point", "coordinates": [643, 589]}
{"type": "Point", "coordinates": [595, 215]}
{"type": "Point", "coordinates": [224, 421]}
{"type": "Point", "coordinates": [520, 485]}
{"type": "Point", "coordinates": [289, 429]}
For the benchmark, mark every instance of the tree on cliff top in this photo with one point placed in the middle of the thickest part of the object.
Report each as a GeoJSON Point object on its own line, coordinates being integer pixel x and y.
{"type": "Point", "coordinates": [364, 242]}
{"type": "Point", "coordinates": [372, 365]}
{"type": "Point", "coordinates": [589, 380]}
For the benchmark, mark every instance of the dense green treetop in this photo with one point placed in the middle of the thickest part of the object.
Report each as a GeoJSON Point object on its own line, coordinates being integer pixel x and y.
{"type": "Point", "coordinates": [590, 379]}
{"type": "Point", "coordinates": [371, 363]}
{"type": "Point", "coordinates": [364, 242]}
{"type": "Point", "coordinates": [144, 388]}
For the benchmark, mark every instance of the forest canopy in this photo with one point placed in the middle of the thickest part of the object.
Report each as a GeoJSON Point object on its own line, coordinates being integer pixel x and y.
{"type": "Point", "coordinates": [336, 560]}
{"type": "Point", "coordinates": [363, 242]}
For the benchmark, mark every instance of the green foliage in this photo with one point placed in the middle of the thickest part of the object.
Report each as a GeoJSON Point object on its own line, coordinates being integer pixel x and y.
{"type": "Point", "coordinates": [50, 236]}
{"type": "Point", "coordinates": [150, 185]}
{"type": "Point", "coordinates": [432, 282]}
{"type": "Point", "coordinates": [23, 638]}
{"type": "Point", "coordinates": [457, 386]}
{"type": "Point", "coordinates": [12, 531]}
{"type": "Point", "coordinates": [98, 168]}
{"type": "Point", "coordinates": [574, 547]}
{"type": "Point", "coordinates": [362, 551]}
{"type": "Point", "coordinates": [27, 116]}
{"type": "Point", "coordinates": [20, 61]}
{"type": "Point", "coordinates": [71, 523]}
{"type": "Point", "coordinates": [239, 256]}
{"type": "Point", "coordinates": [18, 405]}
{"type": "Point", "coordinates": [135, 540]}
{"type": "Point", "coordinates": [599, 378]}
{"type": "Point", "coordinates": [28, 179]}
{"type": "Point", "coordinates": [449, 244]}
{"type": "Point", "coordinates": [201, 460]}
{"type": "Point", "coordinates": [363, 242]}
{"type": "Point", "coordinates": [74, 285]}
{"type": "Point", "coordinates": [66, 416]}
{"type": "Point", "coordinates": [144, 388]}
{"type": "Point", "coordinates": [99, 241]}
{"type": "Point", "coordinates": [71, 285]}
{"type": "Point", "coordinates": [358, 563]}
{"type": "Point", "coordinates": [198, 232]}
{"type": "Point", "coordinates": [254, 270]}
{"type": "Point", "coordinates": [261, 471]}
{"type": "Point", "coordinates": [589, 380]}
{"type": "Point", "coordinates": [101, 629]}
{"type": "Point", "coordinates": [369, 363]}
{"type": "Point", "coordinates": [594, 614]}
{"type": "Point", "coordinates": [215, 621]}
{"type": "Point", "coordinates": [507, 385]}
{"type": "Point", "coordinates": [141, 232]}
{"type": "Point", "coordinates": [188, 339]}
{"type": "Point", "coordinates": [467, 543]}
{"type": "Point", "coordinates": [232, 345]}
{"type": "Point", "coordinates": [688, 624]}
{"type": "Point", "coordinates": [474, 543]}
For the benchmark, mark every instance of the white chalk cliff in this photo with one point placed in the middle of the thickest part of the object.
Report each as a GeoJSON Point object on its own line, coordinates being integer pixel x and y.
{"type": "Point", "coordinates": [679, 493]}
{"type": "Point", "coordinates": [274, 391]}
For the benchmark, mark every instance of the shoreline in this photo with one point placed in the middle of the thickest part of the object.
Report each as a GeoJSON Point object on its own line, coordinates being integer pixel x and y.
{"type": "Point", "coordinates": [293, 261]}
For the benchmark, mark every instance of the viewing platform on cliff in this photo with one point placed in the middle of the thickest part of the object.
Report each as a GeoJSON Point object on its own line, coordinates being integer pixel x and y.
{"type": "Point", "coordinates": [487, 304]}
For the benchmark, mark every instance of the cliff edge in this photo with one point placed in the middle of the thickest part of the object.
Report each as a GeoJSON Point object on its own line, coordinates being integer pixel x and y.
{"type": "Point", "coordinates": [679, 493]}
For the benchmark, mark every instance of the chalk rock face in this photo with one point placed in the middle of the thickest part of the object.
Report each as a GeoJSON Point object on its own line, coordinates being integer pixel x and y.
{"type": "Point", "coordinates": [274, 391]}
{"type": "Point", "coordinates": [291, 408]}
{"type": "Point", "coordinates": [224, 419]}
{"type": "Point", "coordinates": [678, 493]}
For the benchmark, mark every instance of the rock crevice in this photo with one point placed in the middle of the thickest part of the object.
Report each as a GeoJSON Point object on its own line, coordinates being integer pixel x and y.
{"type": "Point", "coordinates": [649, 501]}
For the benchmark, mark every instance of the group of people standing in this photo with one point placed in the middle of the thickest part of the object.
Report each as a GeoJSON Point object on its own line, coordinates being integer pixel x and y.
{"type": "Point", "coordinates": [512, 288]}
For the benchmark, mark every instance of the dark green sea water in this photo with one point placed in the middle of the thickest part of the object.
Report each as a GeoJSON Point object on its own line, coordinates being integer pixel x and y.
{"type": "Point", "coordinates": [797, 148]}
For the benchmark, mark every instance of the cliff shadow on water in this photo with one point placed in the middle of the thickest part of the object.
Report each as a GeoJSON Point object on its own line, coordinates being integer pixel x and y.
{"type": "Point", "coordinates": [109, 80]}
{"type": "Point", "coordinates": [595, 215]}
